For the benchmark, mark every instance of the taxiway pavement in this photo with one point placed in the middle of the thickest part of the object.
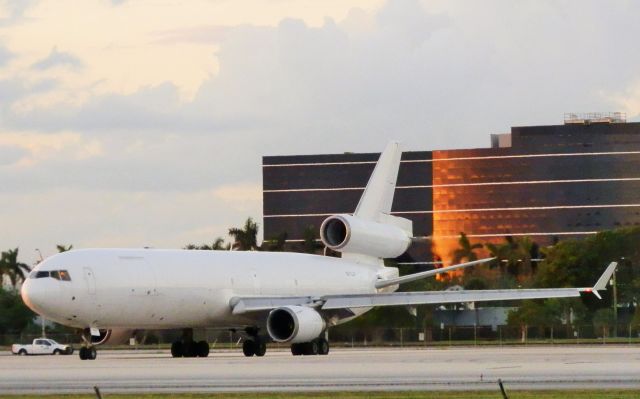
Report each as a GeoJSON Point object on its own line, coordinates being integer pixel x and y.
{"type": "Point", "coordinates": [540, 367]}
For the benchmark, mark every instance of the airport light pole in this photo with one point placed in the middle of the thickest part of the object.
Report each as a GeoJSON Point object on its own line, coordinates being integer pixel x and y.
{"type": "Point", "coordinates": [44, 333]}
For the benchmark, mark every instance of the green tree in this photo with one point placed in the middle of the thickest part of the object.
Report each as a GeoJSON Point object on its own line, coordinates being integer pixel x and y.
{"type": "Point", "coordinates": [245, 238]}
{"type": "Point", "coordinates": [466, 250]}
{"type": "Point", "coordinates": [276, 245]}
{"type": "Point", "coordinates": [635, 321]}
{"type": "Point", "coordinates": [539, 313]}
{"type": "Point", "coordinates": [15, 316]}
{"type": "Point", "coordinates": [311, 244]}
{"type": "Point", "coordinates": [64, 248]}
{"type": "Point", "coordinates": [217, 245]}
{"type": "Point", "coordinates": [603, 320]}
{"type": "Point", "coordinates": [12, 268]}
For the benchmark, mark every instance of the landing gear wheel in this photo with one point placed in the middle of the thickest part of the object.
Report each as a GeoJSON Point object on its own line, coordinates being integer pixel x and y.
{"type": "Point", "coordinates": [202, 348]}
{"type": "Point", "coordinates": [88, 353]}
{"type": "Point", "coordinates": [312, 348]}
{"type": "Point", "coordinates": [177, 349]}
{"type": "Point", "coordinates": [261, 348]}
{"type": "Point", "coordinates": [323, 346]}
{"type": "Point", "coordinates": [249, 347]}
{"type": "Point", "coordinates": [296, 349]}
{"type": "Point", "coordinates": [190, 349]}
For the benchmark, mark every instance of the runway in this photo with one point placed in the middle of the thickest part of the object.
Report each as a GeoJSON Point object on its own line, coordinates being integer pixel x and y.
{"type": "Point", "coordinates": [343, 369]}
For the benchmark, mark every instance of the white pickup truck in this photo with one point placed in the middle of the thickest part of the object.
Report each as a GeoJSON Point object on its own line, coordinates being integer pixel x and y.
{"type": "Point", "coordinates": [42, 346]}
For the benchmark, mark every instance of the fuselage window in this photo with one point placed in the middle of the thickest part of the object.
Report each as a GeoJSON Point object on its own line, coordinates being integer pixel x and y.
{"type": "Point", "coordinates": [64, 275]}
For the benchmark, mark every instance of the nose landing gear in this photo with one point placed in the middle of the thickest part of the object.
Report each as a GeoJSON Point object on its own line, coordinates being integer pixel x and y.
{"type": "Point", "coordinates": [88, 353]}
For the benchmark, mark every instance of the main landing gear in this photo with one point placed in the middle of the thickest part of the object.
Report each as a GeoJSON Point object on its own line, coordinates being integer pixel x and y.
{"type": "Point", "coordinates": [187, 347]}
{"type": "Point", "coordinates": [254, 345]}
{"type": "Point", "coordinates": [318, 346]}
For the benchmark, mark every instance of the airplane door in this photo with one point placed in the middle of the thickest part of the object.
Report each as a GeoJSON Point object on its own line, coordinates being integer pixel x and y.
{"type": "Point", "coordinates": [90, 280]}
{"type": "Point", "coordinates": [257, 289]}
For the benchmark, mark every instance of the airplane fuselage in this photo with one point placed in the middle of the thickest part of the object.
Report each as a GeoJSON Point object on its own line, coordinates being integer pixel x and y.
{"type": "Point", "coordinates": [162, 289]}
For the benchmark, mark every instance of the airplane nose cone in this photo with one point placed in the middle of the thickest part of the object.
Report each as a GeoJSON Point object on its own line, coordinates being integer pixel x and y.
{"type": "Point", "coordinates": [27, 292]}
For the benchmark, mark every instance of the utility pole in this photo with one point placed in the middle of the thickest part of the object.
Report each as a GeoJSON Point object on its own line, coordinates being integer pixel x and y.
{"type": "Point", "coordinates": [615, 303]}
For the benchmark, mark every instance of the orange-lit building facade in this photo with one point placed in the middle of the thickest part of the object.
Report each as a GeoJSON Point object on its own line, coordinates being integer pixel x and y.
{"type": "Point", "coordinates": [545, 182]}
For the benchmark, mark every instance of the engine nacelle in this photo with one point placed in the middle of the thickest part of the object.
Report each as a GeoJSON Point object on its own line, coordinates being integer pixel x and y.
{"type": "Point", "coordinates": [111, 337]}
{"type": "Point", "coordinates": [346, 233]}
{"type": "Point", "coordinates": [294, 324]}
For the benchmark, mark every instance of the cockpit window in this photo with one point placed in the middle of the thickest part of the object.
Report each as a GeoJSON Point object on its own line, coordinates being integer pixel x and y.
{"type": "Point", "coordinates": [40, 274]}
{"type": "Point", "coordinates": [57, 274]}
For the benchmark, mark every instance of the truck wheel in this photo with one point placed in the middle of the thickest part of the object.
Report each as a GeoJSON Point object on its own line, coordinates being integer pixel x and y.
{"type": "Point", "coordinates": [57, 352]}
{"type": "Point", "coordinates": [22, 352]}
{"type": "Point", "coordinates": [69, 350]}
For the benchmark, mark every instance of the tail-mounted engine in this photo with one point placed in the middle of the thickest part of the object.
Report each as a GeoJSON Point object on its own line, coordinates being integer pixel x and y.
{"type": "Point", "coordinates": [294, 324]}
{"type": "Point", "coordinates": [351, 234]}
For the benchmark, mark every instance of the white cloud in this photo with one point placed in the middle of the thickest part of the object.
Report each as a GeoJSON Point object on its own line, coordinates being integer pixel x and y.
{"type": "Point", "coordinates": [58, 59]}
{"type": "Point", "coordinates": [241, 197]}
{"type": "Point", "coordinates": [169, 117]}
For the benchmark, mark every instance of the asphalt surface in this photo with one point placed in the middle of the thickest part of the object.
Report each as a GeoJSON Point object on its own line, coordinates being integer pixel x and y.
{"type": "Point", "coordinates": [548, 367]}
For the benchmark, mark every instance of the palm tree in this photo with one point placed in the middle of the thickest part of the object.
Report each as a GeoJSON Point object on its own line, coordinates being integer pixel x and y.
{"type": "Point", "coordinates": [246, 238]}
{"type": "Point", "coordinates": [217, 245]}
{"type": "Point", "coordinates": [64, 248]}
{"type": "Point", "coordinates": [276, 245]}
{"type": "Point", "coordinates": [10, 267]}
{"type": "Point", "coordinates": [465, 252]}
{"type": "Point", "coordinates": [311, 244]}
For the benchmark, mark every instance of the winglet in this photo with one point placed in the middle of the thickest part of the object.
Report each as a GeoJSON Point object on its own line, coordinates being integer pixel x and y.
{"type": "Point", "coordinates": [604, 279]}
{"type": "Point", "coordinates": [601, 284]}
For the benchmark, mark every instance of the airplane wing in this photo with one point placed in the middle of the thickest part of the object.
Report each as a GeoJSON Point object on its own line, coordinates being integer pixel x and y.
{"type": "Point", "coordinates": [242, 305]}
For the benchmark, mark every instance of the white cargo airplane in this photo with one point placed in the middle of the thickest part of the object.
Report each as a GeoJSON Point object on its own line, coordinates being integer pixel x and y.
{"type": "Point", "coordinates": [286, 297]}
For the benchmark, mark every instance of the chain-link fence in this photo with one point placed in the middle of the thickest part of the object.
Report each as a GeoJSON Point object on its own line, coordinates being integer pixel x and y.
{"type": "Point", "coordinates": [345, 336]}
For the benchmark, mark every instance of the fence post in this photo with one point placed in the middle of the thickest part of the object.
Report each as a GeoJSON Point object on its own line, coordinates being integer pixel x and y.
{"type": "Point", "coordinates": [475, 334]}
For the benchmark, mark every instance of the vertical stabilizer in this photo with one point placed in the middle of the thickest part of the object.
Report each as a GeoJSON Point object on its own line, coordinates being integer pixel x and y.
{"type": "Point", "coordinates": [372, 234]}
{"type": "Point", "coordinates": [378, 195]}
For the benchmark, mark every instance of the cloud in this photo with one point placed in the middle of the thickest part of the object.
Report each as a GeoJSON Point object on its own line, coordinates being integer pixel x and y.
{"type": "Point", "coordinates": [11, 154]}
{"type": "Point", "coordinates": [12, 11]}
{"type": "Point", "coordinates": [439, 74]}
{"type": "Point", "coordinates": [5, 56]}
{"type": "Point", "coordinates": [58, 59]}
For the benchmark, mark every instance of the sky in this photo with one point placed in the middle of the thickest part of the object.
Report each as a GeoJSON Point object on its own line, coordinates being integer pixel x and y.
{"type": "Point", "coordinates": [143, 123]}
